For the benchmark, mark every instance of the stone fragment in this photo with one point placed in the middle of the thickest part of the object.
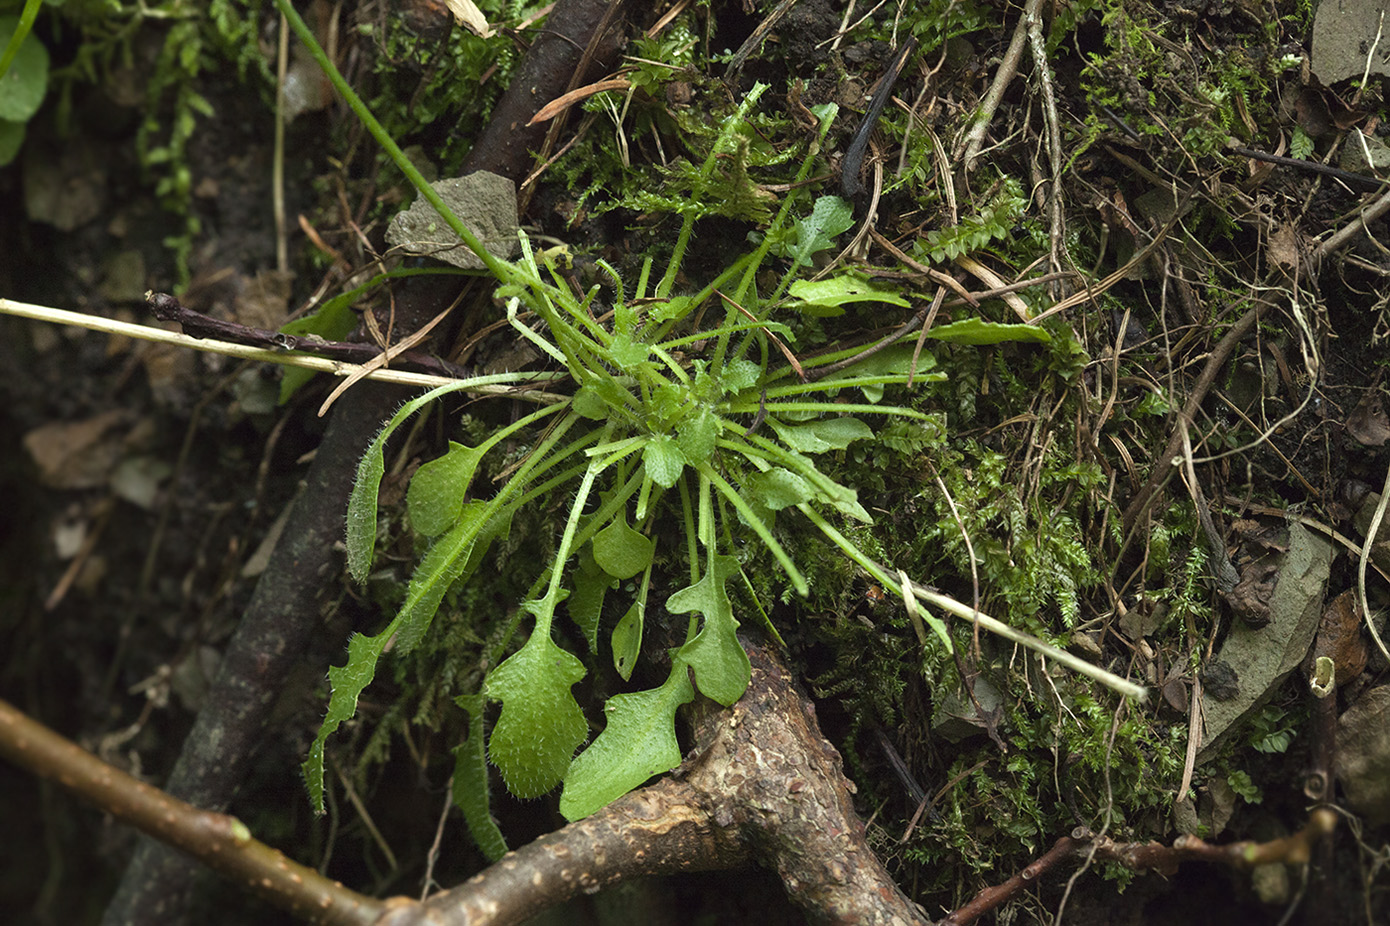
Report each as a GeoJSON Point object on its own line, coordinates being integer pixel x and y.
{"type": "Point", "coordinates": [485, 203]}
{"type": "Point", "coordinates": [1342, 30]}
{"type": "Point", "coordinates": [1262, 658]}
{"type": "Point", "coordinates": [1363, 755]}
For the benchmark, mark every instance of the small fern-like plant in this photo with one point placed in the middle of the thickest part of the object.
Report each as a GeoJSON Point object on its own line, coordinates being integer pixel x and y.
{"type": "Point", "coordinates": [721, 445]}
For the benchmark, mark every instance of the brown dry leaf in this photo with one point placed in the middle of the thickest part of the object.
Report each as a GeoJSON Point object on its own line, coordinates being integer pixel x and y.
{"type": "Point", "coordinates": [1339, 637]}
{"type": "Point", "coordinates": [1250, 598]}
{"type": "Point", "coordinates": [1368, 423]}
{"type": "Point", "coordinates": [264, 300]}
{"type": "Point", "coordinates": [78, 454]}
{"type": "Point", "coordinates": [169, 370]}
{"type": "Point", "coordinates": [1282, 250]}
{"type": "Point", "coordinates": [1311, 113]}
{"type": "Point", "coordinates": [1175, 693]}
{"type": "Point", "coordinates": [561, 103]}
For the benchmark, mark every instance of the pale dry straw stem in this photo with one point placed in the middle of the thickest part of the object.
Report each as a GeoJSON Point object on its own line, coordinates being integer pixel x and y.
{"type": "Point", "coordinates": [388, 353]}
{"type": "Point", "coordinates": [1054, 135]}
{"type": "Point", "coordinates": [227, 348]}
{"type": "Point", "coordinates": [1366, 557]}
{"type": "Point", "coordinates": [969, 149]}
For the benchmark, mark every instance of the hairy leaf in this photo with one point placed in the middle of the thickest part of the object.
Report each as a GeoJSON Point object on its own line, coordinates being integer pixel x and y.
{"type": "Point", "coordinates": [438, 488]}
{"type": "Point", "coordinates": [829, 217]}
{"type": "Point", "coordinates": [663, 460]}
{"type": "Point", "coordinates": [541, 724]}
{"type": "Point", "coordinates": [779, 488]}
{"type": "Point", "coordinates": [361, 514]}
{"type": "Point", "coordinates": [627, 639]}
{"type": "Point", "coordinates": [585, 603]}
{"type": "Point", "coordinates": [347, 682]}
{"type": "Point", "coordinates": [470, 790]}
{"type": "Point", "coordinates": [446, 561]}
{"type": "Point", "coordinates": [638, 742]}
{"type": "Point", "coordinates": [739, 374]}
{"type": "Point", "coordinates": [979, 331]}
{"type": "Point", "coordinates": [821, 435]}
{"type": "Point", "coordinates": [622, 551]}
{"type": "Point", "coordinates": [721, 666]}
{"type": "Point", "coordinates": [830, 296]}
{"type": "Point", "coordinates": [697, 435]}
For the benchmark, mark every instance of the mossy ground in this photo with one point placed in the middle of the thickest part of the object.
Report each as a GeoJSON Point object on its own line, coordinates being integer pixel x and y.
{"type": "Point", "coordinates": [1029, 457]}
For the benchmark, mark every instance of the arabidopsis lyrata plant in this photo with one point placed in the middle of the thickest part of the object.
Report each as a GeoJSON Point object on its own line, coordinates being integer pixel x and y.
{"type": "Point", "coordinates": [726, 441]}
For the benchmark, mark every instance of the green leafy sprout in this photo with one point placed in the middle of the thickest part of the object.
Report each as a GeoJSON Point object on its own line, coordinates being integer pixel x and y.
{"type": "Point", "coordinates": [646, 430]}
{"type": "Point", "coordinates": [23, 78]}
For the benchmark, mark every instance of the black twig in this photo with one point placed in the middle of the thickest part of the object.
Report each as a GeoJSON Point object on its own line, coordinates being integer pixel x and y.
{"type": "Point", "coordinates": [850, 184]}
{"type": "Point", "coordinates": [1365, 180]}
{"type": "Point", "coordinates": [197, 325]}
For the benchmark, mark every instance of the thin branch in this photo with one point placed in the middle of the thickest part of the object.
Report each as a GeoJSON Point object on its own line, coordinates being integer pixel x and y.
{"type": "Point", "coordinates": [1343, 237]}
{"type": "Point", "coordinates": [1142, 856]}
{"type": "Point", "coordinates": [278, 356]}
{"type": "Point", "coordinates": [1164, 465]}
{"type": "Point", "coordinates": [221, 842]}
{"type": "Point", "coordinates": [1008, 69]}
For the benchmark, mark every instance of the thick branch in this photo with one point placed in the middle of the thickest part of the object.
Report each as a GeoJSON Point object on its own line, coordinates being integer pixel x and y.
{"type": "Point", "coordinates": [763, 786]}
{"type": "Point", "coordinates": [769, 772]}
{"type": "Point", "coordinates": [663, 829]}
{"type": "Point", "coordinates": [283, 612]}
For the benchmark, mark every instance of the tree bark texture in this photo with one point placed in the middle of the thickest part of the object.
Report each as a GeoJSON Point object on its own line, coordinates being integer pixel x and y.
{"type": "Point", "coordinates": [771, 773]}
{"type": "Point", "coordinates": [551, 66]}
{"type": "Point", "coordinates": [762, 785]}
{"type": "Point", "coordinates": [285, 609]}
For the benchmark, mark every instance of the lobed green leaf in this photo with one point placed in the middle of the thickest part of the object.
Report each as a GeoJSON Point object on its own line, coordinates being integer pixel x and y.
{"type": "Point", "coordinates": [622, 551]}
{"type": "Point", "coordinates": [779, 488]}
{"type": "Point", "coordinates": [347, 682]}
{"type": "Point", "coordinates": [663, 460]}
{"type": "Point", "coordinates": [822, 435]}
{"type": "Point", "coordinates": [722, 669]}
{"type": "Point", "coordinates": [830, 296]}
{"type": "Point", "coordinates": [696, 436]}
{"type": "Point", "coordinates": [977, 331]}
{"type": "Point", "coordinates": [638, 742]}
{"type": "Point", "coordinates": [439, 487]}
{"type": "Point", "coordinates": [541, 724]}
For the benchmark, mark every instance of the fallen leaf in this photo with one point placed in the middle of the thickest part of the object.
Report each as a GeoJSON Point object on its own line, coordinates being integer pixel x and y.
{"type": "Point", "coordinates": [77, 454]}
{"type": "Point", "coordinates": [1339, 637]}
{"type": "Point", "coordinates": [472, 18]}
{"type": "Point", "coordinates": [1283, 247]}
